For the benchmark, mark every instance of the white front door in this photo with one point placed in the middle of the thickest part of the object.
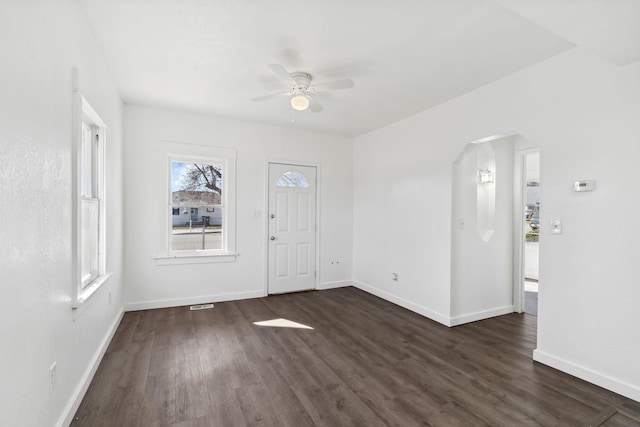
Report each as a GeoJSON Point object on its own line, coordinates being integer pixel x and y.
{"type": "Point", "coordinates": [292, 228]}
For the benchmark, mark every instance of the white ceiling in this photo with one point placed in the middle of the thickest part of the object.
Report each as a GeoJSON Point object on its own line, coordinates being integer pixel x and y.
{"type": "Point", "coordinates": [211, 56]}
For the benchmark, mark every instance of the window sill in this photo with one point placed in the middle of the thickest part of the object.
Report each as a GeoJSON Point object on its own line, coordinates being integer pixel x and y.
{"type": "Point", "coordinates": [84, 297]}
{"type": "Point", "coordinates": [194, 259]}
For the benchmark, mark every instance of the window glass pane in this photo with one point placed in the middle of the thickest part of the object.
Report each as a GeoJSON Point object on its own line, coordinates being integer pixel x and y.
{"type": "Point", "coordinates": [89, 241]}
{"type": "Point", "coordinates": [293, 179]}
{"type": "Point", "coordinates": [196, 183]}
{"type": "Point", "coordinates": [196, 228]}
{"type": "Point", "coordinates": [87, 161]}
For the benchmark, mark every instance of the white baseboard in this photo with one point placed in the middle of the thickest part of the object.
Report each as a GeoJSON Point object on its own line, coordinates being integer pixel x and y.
{"type": "Point", "coordinates": [178, 302]}
{"type": "Point", "coordinates": [481, 315]}
{"type": "Point", "coordinates": [424, 311]}
{"type": "Point", "coordinates": [333, 285]}
{"type": "Point", "coordinates": [85, 381]}
{"type": "Point", "coordinates": [617, 386]}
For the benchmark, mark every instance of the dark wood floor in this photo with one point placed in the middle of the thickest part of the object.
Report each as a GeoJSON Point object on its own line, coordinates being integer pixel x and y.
{"type": "Point", "coordinates": [366, 362]}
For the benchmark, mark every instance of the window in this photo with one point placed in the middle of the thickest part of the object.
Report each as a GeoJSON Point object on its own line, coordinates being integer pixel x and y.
{"type": "Point", "coordinates": [91, 200]}
{"type": "Point", "coordinates": [197, 221]}
{"type": "Point", "coordinates": [293, 179]}
{"type": "Point", "coordinates": [89, 242]}
{"type": "Point", "coordinates": [197, 190]}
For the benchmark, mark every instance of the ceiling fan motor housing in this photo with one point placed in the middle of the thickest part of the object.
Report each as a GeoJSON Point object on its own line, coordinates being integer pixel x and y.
{"type": "Point", "coordinates": [302, 79]}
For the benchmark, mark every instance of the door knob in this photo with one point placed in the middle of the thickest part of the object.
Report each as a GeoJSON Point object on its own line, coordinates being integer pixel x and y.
{"type": "Point", "coordinates": [272, 216]}
{"type": "Point", "coordinates": [272, 238]}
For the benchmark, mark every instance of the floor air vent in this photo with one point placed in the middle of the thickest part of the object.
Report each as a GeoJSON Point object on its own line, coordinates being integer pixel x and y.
{"type": "Point", "coordinates": [200, 307]}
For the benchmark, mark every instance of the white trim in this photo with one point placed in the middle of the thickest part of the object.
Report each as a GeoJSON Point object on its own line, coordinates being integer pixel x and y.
{"type": "Point", "coordinates": [424, 311]}
{"type": "Point", "coordinates": [80, 391]}
{"type": "Point", "coordinates": [178, 149]}
{"type": "Point", "coordinates": [194, 259]}
{"type": "Point", "coordinates": [80, 305]}
{"type": "Point", "coordinates": [629, 390]}
{"type": "Point", "coordinates": [179, 302]}
{"type": "Point", "coordinates": [83, 111]}
{"type": "Point", "coordinates": [190, 151]}
{"type": "Point", "coordinates": [519, 183]}
{"type": "Point", "coordinates": [265, 230]}
{"type": "Point", "coordinates": [334, 285]}
{"type": "Point", "coordinates": [481, 315]}
{"type": "Point", "coordinates": [76, 205]}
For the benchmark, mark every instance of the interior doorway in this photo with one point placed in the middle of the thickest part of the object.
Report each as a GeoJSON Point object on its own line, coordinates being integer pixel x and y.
{"type": "Point", "coordinates": [292, 228]}
{"type": "Point", "coordinates": [531, 231]}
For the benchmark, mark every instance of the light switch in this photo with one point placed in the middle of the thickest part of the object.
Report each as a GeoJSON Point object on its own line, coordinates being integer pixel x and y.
{"type": "Point", "coordinates": [556, 226]}
{"type": "Point", "coordinates": [461, 224]}
{"type": "Point", "coordinates": [584, 185]}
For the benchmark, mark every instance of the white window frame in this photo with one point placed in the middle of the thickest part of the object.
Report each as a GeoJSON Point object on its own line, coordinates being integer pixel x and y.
{"type": "Point", "coordinates": [222, 205]}
{"type": "Point", "coordinates": [85, 114]}
{"type": "Point", "coordinates": [195, 153]}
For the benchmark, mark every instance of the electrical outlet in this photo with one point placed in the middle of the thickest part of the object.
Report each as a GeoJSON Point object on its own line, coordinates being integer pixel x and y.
{"type": "Point", "coordinates": [394, 276]}
{"type": "Point", "coordinates": [53, 376]}
{"type": "Point", "coordinates": [461, 223]}
{"type": "Point", "coordinates": [257, 213]}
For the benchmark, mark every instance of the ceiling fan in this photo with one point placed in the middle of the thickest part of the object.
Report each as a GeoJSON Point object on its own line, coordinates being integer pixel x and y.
{"type": "Point", "coordinates": [301, 89]}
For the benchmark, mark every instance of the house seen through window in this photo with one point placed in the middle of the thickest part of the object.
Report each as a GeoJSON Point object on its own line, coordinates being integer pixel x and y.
{"type": "Point", "coordinates": [196, 205]}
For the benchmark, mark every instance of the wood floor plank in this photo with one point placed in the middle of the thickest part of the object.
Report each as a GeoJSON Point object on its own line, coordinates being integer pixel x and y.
{"type": "Point", "coordinates": [366, 362]}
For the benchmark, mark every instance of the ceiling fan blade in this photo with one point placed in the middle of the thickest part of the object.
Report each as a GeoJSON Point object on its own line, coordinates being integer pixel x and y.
{"type": "Point", "coordinates": [266, 97]}
{"type": "Point", "coordinates": [314, 106]}
{"type": "Point", "coordinates": [282, 73]}
{"type": "Point", "coordinates": [335, 85]}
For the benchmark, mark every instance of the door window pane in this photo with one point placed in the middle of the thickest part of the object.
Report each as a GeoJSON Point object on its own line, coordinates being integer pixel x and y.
{"type": "Point", "coordinates": [293, 179]}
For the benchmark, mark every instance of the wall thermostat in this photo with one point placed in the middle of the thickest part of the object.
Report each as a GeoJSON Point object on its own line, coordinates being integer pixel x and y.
{"type": "Point", "coordinates": [584, 185]}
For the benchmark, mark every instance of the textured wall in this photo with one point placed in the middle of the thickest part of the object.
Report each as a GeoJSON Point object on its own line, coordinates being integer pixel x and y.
{"type": "Point", "coordinates": [41, 42]}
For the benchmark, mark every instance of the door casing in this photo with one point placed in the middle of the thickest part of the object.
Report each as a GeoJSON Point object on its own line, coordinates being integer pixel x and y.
{"type": "Point", "coordinates": [519, 181]}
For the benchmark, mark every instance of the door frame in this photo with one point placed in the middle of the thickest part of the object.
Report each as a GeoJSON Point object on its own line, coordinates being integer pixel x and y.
{"type": "Point", "coordinates": [519, 183]}
{"type": "Point", "coordinates": [265, 223]}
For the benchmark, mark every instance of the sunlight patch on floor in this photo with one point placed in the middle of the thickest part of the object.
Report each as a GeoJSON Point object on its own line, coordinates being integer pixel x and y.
{"type": "Point", "coordinates": [282, 323]}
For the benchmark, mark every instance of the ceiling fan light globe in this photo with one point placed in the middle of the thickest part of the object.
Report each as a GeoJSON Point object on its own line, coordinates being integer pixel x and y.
{"type": "Point", "coordinates": [300, 102]}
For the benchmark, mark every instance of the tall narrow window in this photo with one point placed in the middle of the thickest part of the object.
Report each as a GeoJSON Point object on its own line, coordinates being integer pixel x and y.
{"type": "Point", "coordinates": [91, 200]}
{"type": "Point", "coordinates": [90, 245]}
{"type": "Point", "coordinates": [197, 194]}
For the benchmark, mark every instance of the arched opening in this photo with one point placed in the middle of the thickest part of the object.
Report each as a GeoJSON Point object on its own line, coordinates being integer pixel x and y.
{"type": "Point", "coordinates": [487, 237]}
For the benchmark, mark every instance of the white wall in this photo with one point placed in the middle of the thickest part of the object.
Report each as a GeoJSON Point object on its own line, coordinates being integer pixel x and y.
{"type": "Point", "coordinates": [41, 41]}
{"type": "Point", "coordinates": [482, 269]}
{"type": "Point", "coordinates": [582, 113]}
{"type": "Point", "coordinates": [151, 285]}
